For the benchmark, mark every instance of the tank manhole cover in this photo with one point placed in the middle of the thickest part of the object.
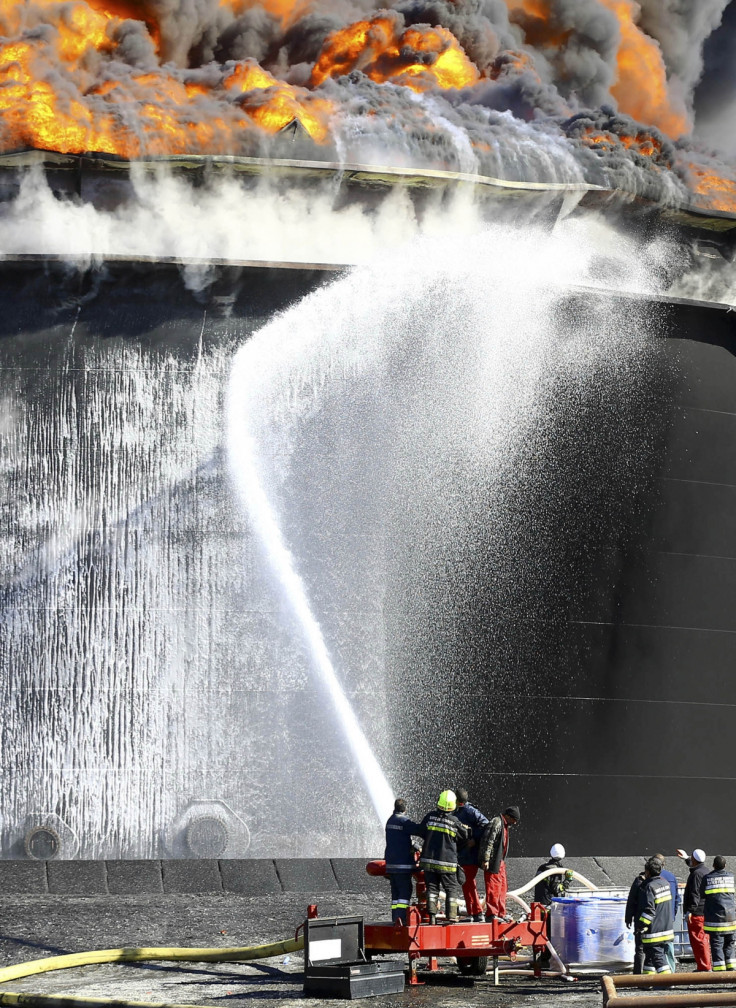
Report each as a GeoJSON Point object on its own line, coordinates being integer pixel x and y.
{"type": "Point", "coordinates": [42, 843]}
{"type": "Point", "coordinates": [207, 837]}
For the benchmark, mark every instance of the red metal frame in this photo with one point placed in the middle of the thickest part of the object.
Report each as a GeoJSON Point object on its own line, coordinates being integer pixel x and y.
{"type": "Point", "coordinates": [463, 940]}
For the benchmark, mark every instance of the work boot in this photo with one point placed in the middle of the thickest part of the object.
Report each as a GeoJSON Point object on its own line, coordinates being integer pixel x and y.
{"type": "Point", "coordinates": [478, 918]}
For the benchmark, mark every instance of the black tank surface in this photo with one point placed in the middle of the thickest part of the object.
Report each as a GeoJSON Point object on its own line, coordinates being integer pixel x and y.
{"type": "Point", "coordinates": [597, 694]}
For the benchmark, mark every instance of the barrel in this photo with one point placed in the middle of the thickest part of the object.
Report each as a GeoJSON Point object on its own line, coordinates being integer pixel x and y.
{"type": "Point", "coordinates": [590, 930]}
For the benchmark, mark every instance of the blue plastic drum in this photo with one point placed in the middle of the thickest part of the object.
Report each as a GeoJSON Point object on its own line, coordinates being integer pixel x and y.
{"type": "Point", "coordinates": [590, 930]}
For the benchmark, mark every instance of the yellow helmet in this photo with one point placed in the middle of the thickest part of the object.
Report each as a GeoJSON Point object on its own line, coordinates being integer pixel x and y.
{"type": "Point", "coordinates": [447, 801]}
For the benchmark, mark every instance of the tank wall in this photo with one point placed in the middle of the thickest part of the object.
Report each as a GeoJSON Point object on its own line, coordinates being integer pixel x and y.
{"type": "Point", "coordinates": [157, 699]}
{"type": "Point", "coordinates": [150, 675]}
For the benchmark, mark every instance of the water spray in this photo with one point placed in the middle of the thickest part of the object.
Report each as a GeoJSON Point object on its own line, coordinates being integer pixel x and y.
{"type": "Point", "coordinates": [243, 454]}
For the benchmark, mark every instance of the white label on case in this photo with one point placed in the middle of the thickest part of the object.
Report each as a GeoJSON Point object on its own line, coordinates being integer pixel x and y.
{"type": "Point", "coordinates": [329, 948]}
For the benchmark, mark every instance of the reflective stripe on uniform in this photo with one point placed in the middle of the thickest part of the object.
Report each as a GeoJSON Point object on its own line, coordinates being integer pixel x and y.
{"type": "Point", "coordinates": [657, 936]}
{"type": "Point", "coordinates": [726, 889]}
{"type": "Point", "coordinates": [721, 927]}
{"type": "Point", "coordinates": [664, 897]}
{"type": "Point", "coordinates": [400, 867]}
{"type": "Point", "coordinates": [442, 829]}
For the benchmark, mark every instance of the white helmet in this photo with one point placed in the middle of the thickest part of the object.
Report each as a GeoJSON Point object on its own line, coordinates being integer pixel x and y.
{"type": "Point", "coordinates": [698, 855]}
{"type": "Point", "coordinates": [557, 850]}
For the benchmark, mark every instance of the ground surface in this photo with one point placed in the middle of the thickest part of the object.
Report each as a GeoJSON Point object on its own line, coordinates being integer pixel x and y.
{"type": "Point", "coordinates": [33, 927]}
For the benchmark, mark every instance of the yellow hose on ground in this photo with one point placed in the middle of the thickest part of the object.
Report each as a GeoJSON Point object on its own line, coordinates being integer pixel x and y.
{"type": "Point", "coordinates": [129, 955]}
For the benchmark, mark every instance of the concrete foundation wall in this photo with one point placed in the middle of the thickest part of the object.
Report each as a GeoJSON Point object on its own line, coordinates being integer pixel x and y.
{"type": "Point", "coordinates": [264, 876]}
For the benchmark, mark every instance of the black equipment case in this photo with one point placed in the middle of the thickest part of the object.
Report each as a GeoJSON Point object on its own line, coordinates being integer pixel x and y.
{"type": "Point", "coordinates": [335, 964]}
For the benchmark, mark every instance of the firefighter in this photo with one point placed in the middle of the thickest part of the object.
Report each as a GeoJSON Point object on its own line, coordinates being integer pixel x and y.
{"type": "Point", "coordinates": [693, 907]}
{"type": "Point", "coordinates": [677, 902]}
{"type": "Point", "coordinates": [654, 917]}
{"type": "Point", "coordinates": [630, 920]}
{"type": "Point", "coordinates": [400, 860]}
{"type": "Point", "coordinates": [548, 888]}
{"type": "Point", "coordinates": [720, 915]}
{"type": "Point", "coordinates": [468, 854]}
{"type": "Point", "coordinates": [554, 885]}
{"type": "Point", "coordinates": [442, 832]}
{"type": "Point", "coordinates": [492, 851]}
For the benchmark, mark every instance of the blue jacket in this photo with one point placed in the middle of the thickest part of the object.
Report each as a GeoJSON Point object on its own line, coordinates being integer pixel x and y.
{"type": "Point", "coordinates": [470, 816]}
{"type": "Point", "coordinates": [399, 853]}
{"type": "Point", "coordinates": [675, 890]}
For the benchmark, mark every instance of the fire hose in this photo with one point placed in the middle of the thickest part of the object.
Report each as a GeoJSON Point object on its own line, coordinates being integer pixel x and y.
{"type": "Point", "coordinates": [163, 954]}
{"type": "Point", "coordinates": [516, 896]}
{"type": "Point", "coordinates": [122, 955]}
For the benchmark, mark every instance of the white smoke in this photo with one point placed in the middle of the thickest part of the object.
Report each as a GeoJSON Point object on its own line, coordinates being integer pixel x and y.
{"type": "Point", "coordinates": [164, 218]}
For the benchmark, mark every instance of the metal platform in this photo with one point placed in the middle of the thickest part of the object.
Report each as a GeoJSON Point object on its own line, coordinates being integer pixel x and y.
{"type": "Point", "coordinates": [465, 941]}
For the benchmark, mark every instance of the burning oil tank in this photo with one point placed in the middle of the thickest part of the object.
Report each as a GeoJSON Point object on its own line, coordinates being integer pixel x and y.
{"type": "Point", "coordinates": [157, 693]}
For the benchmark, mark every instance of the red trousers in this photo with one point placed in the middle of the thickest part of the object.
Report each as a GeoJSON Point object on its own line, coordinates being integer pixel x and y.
{"type": "Point", "coordinates": [470, 889]}
{"type": "Point", "coordinates": [496, 889]}
{"type": "Point", "coordinates": [699, 943]}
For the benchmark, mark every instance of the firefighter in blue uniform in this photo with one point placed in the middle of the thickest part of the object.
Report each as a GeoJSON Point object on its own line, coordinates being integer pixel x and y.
{"type": "Point", "coordinates": [400, 860]}
{"type": "Point", "coordinates": [720, 915]}
{"type": "Point", "coordinates": [654, 917]}
{"type": "Point", "coordinates": [442, 833]}
{"type": "Point", "coordinates": [468, 854]}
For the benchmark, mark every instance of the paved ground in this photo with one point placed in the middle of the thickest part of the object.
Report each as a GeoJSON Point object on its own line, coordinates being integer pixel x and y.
{"type": "Point", "coordinates": [33, 927]}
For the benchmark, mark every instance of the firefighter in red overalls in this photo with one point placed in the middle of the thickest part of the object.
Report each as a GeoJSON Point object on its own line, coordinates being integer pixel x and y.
{"type": "Point", "coordinates": [492, 851]}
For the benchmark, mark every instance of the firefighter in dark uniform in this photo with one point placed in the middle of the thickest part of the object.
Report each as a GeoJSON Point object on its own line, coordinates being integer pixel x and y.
{"type": "Point", "coordinates": [693, 908]}
{"type": "Point", "coordinates": [630, 920]}
{"type": "Point", "coordinates": [554, 885]}
{"type": "Point", "coordinates": [654, 918]}
{"type": "Point", "coordinates": [442, 833]}
{"type": "Point", "coordinates": [720, 915]}
{"type": "Point", "coordinates": [548, 888]}
{"type": "Point", "coordinates": [468, 854]}
{"type": "Point", "coordinates": [400, 860]}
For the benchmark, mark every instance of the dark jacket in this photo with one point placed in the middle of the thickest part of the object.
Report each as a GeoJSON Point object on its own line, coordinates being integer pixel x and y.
{"type": "Point", "coordinates": [442, 833]}
{"type": "Point", "coordinates": [494, 844]}
{"type": "Point", "coordinates": [399, 853]}
{"type": "Point", "coordinates": [553, 885]}
{"type": "Point", "coordinates": [470, 816]}
{"type": "Point", "coordinates": [665, 874]}
{"type": "Point", "coordinates": [693, 901]}
{"type": "Point", "coordinates": [633, 898]}
{"type": "Point", "coordinates": [720, 907]}
{"type": "Point", "coordinates": [654, 917]}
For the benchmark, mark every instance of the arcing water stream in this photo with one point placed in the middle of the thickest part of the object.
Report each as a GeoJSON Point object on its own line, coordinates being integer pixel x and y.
{"type": "Point", "coordinates": [430, 384]}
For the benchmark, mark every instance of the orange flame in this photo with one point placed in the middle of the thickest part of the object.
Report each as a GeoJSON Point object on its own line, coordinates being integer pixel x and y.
{"type": "Point", "coordinates": [61, 88]}
{"type": "Point", "coordinates": [278, 103]}
{"type": "Point", "coordinates": [419, 57]}
{"type": "Point", "coordinates": [287, 11]}
{"type": "Point", "coordinates": [175, 113]}
{"type": "Point", "coordinates": [716, 192]}
{"type": "Point", "coordinates": [641, 88]}
{"type": "Point", "coordinates": [642, 142]}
